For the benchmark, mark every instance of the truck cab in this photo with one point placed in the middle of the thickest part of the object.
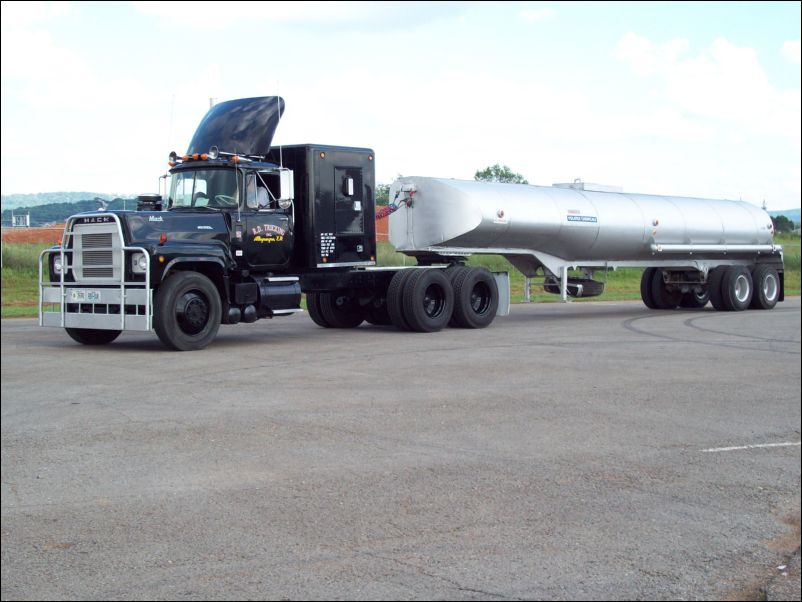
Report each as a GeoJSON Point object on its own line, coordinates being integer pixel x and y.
{"type": "Point", "coordinates": [242, 231]}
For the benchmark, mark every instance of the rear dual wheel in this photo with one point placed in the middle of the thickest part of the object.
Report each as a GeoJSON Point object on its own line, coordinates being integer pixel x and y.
{"type": "Point", "coordinates": [475, 298]}
{"type": "Point", "coordinates": [334, 310]}
{"type": "Point", "coordinates": [731, 287]}
{"type": "Point", "coordinates": [421, 300]}
{"type": "Point", "coordinates": [425, 300]}
{"type": "Point", "coordinates": [766, 281]}
{"type": "Point", "coordinates": [655, 293]}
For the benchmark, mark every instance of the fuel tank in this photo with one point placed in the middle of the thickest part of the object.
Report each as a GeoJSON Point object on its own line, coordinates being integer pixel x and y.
{"type": "Point", "coordinates": [568, 223]}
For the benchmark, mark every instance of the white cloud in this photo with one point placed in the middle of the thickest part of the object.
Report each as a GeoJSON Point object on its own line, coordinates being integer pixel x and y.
{"type": "Point", "coordinates": [724, 83]}
{"type": "Point", "coordinates": [645, 58]}
{"type": "Point", "coordinates": [23, 14]}
{"type": "Point", "coordinates": [791, 51]}
{"type": "Point", "coordinates": [342, 15]}
{"type": "Point", "coordinates": [534, 15]}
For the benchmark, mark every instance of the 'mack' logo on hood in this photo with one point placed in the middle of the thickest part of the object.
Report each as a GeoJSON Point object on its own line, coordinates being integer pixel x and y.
{"type": "Point", "coordinates": [155, 218]}
{"type": "Point", "coordinates": [96, 219]}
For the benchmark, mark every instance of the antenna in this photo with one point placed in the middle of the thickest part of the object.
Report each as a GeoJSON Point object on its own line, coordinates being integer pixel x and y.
{"type": "Point", "coordinates": [278, 105]}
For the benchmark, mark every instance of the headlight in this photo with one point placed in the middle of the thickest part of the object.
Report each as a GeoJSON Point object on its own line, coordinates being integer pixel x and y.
{"type": "Point", "coordinates": [57, 264]}
{"type": "Point", "coordinates": [139, 263]}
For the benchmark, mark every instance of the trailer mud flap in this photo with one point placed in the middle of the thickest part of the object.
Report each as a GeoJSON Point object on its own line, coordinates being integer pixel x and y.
{"type": "Point", "coordinates": [503, 284]}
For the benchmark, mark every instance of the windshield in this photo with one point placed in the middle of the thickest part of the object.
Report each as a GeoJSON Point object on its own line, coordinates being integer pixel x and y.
{"type": "Point", "coordinates": [216, 188]}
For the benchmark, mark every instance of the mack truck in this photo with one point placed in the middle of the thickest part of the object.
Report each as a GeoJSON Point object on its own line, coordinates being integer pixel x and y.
{"type": "Point", "coordinates": [246, 228]}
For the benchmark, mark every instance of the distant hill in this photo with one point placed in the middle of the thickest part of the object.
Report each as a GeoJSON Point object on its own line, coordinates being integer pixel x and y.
{"type": "Point", "coordinates": [14, 201]}
{"type": "Point", "coordinates": [792, 214]}
{"type": "Point", "coordinates": [51, 213]}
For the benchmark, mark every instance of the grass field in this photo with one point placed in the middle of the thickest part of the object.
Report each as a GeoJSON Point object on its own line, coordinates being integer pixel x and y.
{"type": "Point", "coordinates": [20, 273]}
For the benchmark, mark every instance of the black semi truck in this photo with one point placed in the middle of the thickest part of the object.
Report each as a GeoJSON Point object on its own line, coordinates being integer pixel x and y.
{"type": "Point", "coordinates": [244, 230]}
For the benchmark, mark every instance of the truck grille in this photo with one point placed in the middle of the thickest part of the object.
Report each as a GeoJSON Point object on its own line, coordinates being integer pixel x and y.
{"type": "Point", "coordinates": [89, 241]}
{"type": "Point", "coordinates": [97, 253]}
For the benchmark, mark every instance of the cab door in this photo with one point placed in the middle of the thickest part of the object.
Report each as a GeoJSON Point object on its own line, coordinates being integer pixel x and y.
{"type": "Point", "coordinates": [268, 237]}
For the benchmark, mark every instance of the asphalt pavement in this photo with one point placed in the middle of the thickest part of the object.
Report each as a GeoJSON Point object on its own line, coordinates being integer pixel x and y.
{"type": "Point", "coordinates": [570, 451]}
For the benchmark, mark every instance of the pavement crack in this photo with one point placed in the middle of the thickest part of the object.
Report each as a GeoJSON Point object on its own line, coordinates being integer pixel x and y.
{"type": "Point", "coordinates": [453, 583]}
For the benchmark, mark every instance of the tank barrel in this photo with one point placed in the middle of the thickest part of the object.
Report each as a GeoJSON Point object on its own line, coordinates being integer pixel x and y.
{"type": "Point", "coordinates": [572, 224]}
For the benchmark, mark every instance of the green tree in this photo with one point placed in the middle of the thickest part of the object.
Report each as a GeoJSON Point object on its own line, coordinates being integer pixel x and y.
{"type": "Point", "coordinates": [383, 191]}
{"type": "Point", "coordinates": [499, 173]}
{"type": "Point", "coordinates": [382, 194]}
{"type": "Point", "coordinates": [782, 224]}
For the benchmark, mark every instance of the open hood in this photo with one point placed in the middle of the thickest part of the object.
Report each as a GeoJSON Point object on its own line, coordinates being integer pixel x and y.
{"type": "Point", "coordinates": [245, 126]}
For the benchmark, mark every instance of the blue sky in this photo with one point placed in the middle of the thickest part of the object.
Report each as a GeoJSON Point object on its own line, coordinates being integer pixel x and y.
{"type": "Point", "coordinates": [697, 99]}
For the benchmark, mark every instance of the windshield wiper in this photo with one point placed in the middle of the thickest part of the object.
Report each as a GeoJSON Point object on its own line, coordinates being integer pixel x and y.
{"type": "Point", "coordinates": [198, 208]}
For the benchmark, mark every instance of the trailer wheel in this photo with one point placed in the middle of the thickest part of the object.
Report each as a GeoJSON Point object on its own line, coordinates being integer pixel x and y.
{"type": "Point", "coordinates": [714, 285]}
{"type": "Point", "coordinates": [475, 298]}
{"type": "Point", "coordinates": [395, 298]}
{"type": "Point", "coordinates": [187, 311]}
{"type": "Point", "coordinates": [694, 299]}
{"type": "Point", "coordinates": [92, 336]}
{"type": "Point", "coordinates": [662, 296]}
{"type": "Point", "coordinates": [428, 300]}
{"type": "Point", "coordinates": [313, 307]}
{"type": "Point", "coordinates": [767, 287]}
{"type": "Point", "coordinates": [341, 310]}
{"type": "Point", "coordinates": [646, 287]}
{"type": "Point", "coordinates": [736, 288]}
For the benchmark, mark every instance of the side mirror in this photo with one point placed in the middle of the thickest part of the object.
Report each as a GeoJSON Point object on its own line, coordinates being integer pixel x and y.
{"type": "Point", "coordinates": [287, 188]}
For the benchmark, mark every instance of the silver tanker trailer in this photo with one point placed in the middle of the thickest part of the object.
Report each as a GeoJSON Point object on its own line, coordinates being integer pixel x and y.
{"type": "Point", "coordinates": [695, 250]}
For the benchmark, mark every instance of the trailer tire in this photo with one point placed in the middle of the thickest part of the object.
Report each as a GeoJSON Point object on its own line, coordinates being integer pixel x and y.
{"type": "Point", "coordinates": [313, 307]}
{"type": "Point", "coordinates": [341, 310]}
{"type": "Point", "coordinates": [695, 300]}
{"type": "Point", "coordinates": [646, 287]}
{"type": "Point", "coordinates": [737, 288]}
{"type": "Point", "coordinates": [475, 298]}
{"type": "Point", "coordinates": [428, 300]}
{"type": "Point", "coordinates": [395, 298]}
{"type": "Point", "coordinates": [766, 281]}
{"type": "Point", "coordinates": [187, 311]}
{"type": "Point", "coordinates": [714, 286]}
{"type": "Point", "coordinates": [662, 296]}
{"type": "Point", "coordinates": [92, 336]}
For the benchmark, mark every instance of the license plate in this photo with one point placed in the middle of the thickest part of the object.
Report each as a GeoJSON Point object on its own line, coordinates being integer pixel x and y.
{"type": "Point", "coordinates": [84, 295]}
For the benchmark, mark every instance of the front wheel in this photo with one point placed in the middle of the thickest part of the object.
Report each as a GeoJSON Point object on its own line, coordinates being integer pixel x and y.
{"type": "Point", "coordinates": [187, 311]}
{"type": "Point", "coordinates": [92, 336]}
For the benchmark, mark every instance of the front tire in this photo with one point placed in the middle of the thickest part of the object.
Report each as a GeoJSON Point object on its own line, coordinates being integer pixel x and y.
{"type": "Point", "coordinates": [187, 311]}
{"type": "Point", "coordinates": [92, 336]}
